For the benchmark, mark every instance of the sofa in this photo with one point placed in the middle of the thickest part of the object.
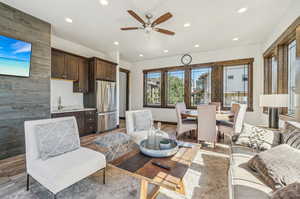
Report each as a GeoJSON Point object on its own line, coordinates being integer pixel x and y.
{"type": "Point", "coordinates": [244, 183]}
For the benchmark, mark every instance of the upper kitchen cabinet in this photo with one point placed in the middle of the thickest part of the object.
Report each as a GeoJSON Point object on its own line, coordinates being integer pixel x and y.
{"type": "Point", "coordinates": [103, 70]}
{"type": "Point", "coordinates": [58, 64]}
{"type": "Point", "coordinates": [81, 85]}
{"type": "Point", "coordinates": [71, 67]}
{"type": "Point", "coordinates": [64, 65]}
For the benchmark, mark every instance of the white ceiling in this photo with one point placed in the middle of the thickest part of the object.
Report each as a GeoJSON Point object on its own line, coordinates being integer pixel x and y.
{"type": "Point", "coordinates": [214, 23]}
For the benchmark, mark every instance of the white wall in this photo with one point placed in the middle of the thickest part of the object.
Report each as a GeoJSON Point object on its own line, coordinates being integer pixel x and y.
{"type": "Point", "coordinates": [128, 66]}
{"type": "Point", "coordinates": [64, 89]}
{"type": "Point", "coordinates": [78, 49]}
{"type": "Point", "coordinates": [286, 20]}
{"type": "Point", "coordinates": [122, 93]}
{"type": "Point", "coordinates": [248, 51]}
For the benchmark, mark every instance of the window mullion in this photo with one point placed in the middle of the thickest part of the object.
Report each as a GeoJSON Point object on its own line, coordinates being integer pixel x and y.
{"type": "Point", "coordinates": [163, 89]}
{"type": "Point", "coordinates": [187, 87]}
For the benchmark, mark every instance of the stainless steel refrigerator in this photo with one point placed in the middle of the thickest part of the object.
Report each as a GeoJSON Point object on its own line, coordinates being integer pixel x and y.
{"type": "Point", "coordinates": [106, 105]}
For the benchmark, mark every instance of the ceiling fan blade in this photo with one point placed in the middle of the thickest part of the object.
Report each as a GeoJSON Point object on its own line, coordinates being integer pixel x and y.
{"type": "Point", "coordinates": [164, 31]}
{"type": "Point", "coordinates": [162, 19]}
{"type": "Point", "coordinates": [134, 15]}
{"type": "Point", "coordinates": [130, 28]}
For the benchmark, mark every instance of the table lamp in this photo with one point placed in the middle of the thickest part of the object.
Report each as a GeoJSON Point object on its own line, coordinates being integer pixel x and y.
{"type": "Point", "coordinates": [274, 102]}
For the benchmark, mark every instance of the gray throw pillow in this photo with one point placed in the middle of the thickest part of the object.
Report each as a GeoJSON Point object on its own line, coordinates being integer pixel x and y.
{"type": "Point", "coordinates": [56, 138]}
{"type": "Point", "coordinates": [291, 191]}
{"type": "Point", "coordinates": [256, 137]}
{"type": "Point", "coordinates": [291, 135]}
{"type": "Point", "coordinates": [278, 167]}
{"type": "Point", "coordinates": [142, 121]}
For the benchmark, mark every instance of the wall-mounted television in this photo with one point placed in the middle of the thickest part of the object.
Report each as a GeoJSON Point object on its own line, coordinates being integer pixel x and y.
{"type": "Point", "coordinates": [15, 57]}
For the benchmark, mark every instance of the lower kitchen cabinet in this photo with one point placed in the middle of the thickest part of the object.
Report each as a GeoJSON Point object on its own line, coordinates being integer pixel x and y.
{"type": "Point", "coordinates": [86, 120]}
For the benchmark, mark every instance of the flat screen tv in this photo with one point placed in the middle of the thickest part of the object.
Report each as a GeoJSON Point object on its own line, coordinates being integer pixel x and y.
{"type": "Point", "coordinates": [15, 57]}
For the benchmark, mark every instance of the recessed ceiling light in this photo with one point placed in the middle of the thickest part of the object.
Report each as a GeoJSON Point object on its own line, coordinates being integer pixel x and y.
{"type": "Point", "coordinates": [242, 10]}
{"type": "Point", "coordinates": [69, 20]}
{"type": "Point", "coordinates": [235, 39]}
{"type": "Point", "coordinates": [141, 55]}
{"type": "Point", "coordinates": [165, 51]}
{"type": "Point", "coordinates": [197, 46]}
{"type": "Point", "coordinates": [103, 2]}
{"type": "Point", "coordinates": [187, 25]}
{"type": "Point", "coordinates": [116, 43]}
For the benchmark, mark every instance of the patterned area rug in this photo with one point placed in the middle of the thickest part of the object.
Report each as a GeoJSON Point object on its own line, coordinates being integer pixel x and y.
{"type": "Point", "coordinates": [206, 179]}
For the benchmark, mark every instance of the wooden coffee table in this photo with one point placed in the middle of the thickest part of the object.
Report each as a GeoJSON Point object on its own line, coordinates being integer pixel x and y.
{"type": "Point", "coordinates": [140, 166]}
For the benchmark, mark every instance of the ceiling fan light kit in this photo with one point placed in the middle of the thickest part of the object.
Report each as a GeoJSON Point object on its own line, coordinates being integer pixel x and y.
{"type": "Point", "coordinates": [149, 26]}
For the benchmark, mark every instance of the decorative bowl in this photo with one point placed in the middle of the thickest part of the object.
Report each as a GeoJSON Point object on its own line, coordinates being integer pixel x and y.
{"type": "Point", "coordinates": [157, 152]}
{"type": "Point", "coordinates": [165, 144]}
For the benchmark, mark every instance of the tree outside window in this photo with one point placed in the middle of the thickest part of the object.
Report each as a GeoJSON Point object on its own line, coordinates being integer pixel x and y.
{"type": "Point", "coordinates": [175, 87]}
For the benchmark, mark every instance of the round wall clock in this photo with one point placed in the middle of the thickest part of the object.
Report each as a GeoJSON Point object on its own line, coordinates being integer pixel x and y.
{"type": "Point", "coordinates": [186, 59]}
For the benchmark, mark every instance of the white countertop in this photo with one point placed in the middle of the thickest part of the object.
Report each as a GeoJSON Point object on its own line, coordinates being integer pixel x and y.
{"type": "Point", "coordinates": [68, 110]}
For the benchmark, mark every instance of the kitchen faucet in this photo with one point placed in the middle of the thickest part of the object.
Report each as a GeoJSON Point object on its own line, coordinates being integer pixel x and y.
{"type": "Point", "coordinates": [59, 107]}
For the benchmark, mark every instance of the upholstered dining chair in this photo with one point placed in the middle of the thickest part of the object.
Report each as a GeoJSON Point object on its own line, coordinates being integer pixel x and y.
{"type": "Point", "coordinates": [231, 128]}
{"type": "Point", "coordinates": [207, 129]}
{"type": "Point", "coordinates": [183, 125]}
{"type": "Point", "coordinates": [234, 109]}
{"type": "Point", "coordinates": [217, 104]}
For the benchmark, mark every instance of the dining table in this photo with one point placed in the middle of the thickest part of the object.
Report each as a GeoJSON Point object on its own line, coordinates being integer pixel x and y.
{"type": "Point", "coordinates": [220, 115]}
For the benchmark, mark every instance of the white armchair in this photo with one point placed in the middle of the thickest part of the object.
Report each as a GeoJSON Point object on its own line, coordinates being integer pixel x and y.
{"type": "Point", "coordinates": [138, 123]}
{"type": "Point", "coordinates": [59, 171]}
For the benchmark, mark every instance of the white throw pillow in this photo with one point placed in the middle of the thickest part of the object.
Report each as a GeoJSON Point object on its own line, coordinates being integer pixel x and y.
{"type": "Point", "coordinates": [56, 138]}
{"type": "Point", "coordinates": [256, 137]}
{"type": "Point", "coordinates": [142, 121]}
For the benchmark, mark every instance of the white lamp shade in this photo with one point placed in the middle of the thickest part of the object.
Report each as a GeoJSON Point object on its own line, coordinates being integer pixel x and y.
{"type": "Point", "coordinates": [274, 101]}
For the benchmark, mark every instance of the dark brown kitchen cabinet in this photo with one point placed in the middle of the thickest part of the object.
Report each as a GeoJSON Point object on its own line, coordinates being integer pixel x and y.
{"type": "Point", "coordinates": [104, 70]}
{"type": "Point", "coordinates": [71, 67]}
{"type": "Point", "coordinates": [90, 121]}
{"type": "Point", "coordinates": [86, 120]}
{"type": "Point", "coordinates": [58, 64]}
{"type": "Point", "coordinates": [81, 85]}
{"type": "Point", "coordinates": [64, 65]}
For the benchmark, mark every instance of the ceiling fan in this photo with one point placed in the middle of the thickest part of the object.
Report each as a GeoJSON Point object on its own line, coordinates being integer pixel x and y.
{"type": "Point", "coordinates": [150, 26]}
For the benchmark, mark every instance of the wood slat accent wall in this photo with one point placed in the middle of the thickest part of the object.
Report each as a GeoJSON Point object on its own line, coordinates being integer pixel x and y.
{"type": "Point", "coordinates": [24, 99]}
